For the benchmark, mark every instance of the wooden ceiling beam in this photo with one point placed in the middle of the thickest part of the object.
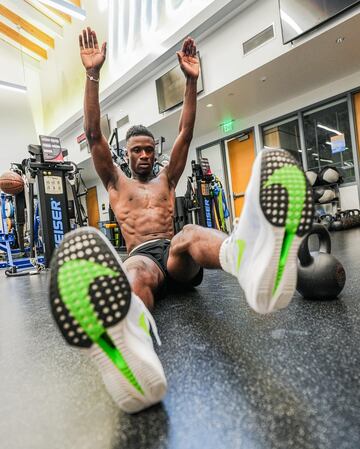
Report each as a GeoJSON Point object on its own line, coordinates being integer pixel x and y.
{"type": "Point", "coordinates": [46, 11]}
{"type": "Point", "coordinates": [34, 16]}
{"type": "Point", "coordinates": [76, 2]}
{"type": "Point", "coordinates": [27, 26]}
{"type": "Point", "coordinates": [61, 14]}
{"type": "Point", "coordinates": [23, 41]}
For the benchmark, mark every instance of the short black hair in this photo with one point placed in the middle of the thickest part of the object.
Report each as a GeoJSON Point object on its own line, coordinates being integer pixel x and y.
{"type": "Point", "coordinates": [138, 130]}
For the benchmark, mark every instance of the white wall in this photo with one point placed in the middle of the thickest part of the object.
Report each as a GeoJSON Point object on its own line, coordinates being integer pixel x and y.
{"type": "Point", "coordinates": [17, 128]}
{"type": "Point", "coordinates": [349, 198]}
{"type": "Point", "coordinates": [220, 48]}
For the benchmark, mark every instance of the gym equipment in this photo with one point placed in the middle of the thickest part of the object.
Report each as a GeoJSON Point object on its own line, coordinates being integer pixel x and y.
{"type": "Point", "coordinates": [75, 208]}
{"type": "Point", "coordinates": [323, 194]}
{"type": "Point", "coordinates": [209, 202]}
{"type": "Point", "coordinates": [53, 201]}
{"type": "Point", "coordinates": [11, 183]}
{"type": "Point", "coordinates": [312, 177]}
{"type": "Point", "coordinates": [326, 220]}
{"type": "Point", "coordinates": [329, 175]}
{"type": "Point", "coordinates": [47, 168]}
{"type": "Point", "coordinates": [321, 276]}
{"type": "Point", "coordinates": [336, 224]}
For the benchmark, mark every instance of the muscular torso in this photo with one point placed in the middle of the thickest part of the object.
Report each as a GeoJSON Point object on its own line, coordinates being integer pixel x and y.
{"type": "Point", "coordinates": [144, 210]}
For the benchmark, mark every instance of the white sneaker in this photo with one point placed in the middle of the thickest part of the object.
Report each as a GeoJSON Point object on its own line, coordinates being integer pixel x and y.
{"type": "Point", "coordinates": [94, 308]}
{"type": "Point", "coordinates": [262, 249]}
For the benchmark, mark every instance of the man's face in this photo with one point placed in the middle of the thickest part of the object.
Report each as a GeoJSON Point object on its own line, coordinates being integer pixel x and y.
{"type": "Point", "coordinates": [141, 154]}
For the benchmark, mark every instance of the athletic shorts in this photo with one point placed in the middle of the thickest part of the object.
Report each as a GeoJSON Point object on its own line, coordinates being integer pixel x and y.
{"type": "Point", "coordinates": [158, 251]}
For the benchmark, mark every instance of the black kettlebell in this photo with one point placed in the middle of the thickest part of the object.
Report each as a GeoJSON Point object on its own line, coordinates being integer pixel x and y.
{"type": "Point", "coordinates": [336, 224]}
{"type": "Point", "coordinates": [320, 277]}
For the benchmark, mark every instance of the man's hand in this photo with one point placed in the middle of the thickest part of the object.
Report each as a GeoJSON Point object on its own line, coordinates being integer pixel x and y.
{"type": "Point", "coordinates": [91, 56]}
{"type": "Point", "coordinates": [188, 60]}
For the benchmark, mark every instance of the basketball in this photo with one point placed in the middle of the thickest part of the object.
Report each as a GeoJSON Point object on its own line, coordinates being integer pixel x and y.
{"type": "Point", "coordinates": [11, 183]}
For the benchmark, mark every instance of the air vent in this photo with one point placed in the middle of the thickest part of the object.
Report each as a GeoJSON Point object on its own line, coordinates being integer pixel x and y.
{"type": "Point", "coordinates": [123, 121]}
{"type": "Point", "coordinates": [258, 39]}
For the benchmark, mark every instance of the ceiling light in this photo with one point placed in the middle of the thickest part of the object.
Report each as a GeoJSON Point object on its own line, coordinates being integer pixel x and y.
{"type": "Point", "coordinates": [67, 8]}
{"type": "Point", "coordinates": [263, 79]}
{"type": "Point", "coordinates": [12, 86]}
{"type": "Point", "coordinates": [335, 131]}
{"type": "Point", "coordinates": [210, 105]}
{"type": "Point", "coordinates": [340, 40]}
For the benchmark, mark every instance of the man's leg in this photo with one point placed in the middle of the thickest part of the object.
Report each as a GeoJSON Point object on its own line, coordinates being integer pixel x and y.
{"type": "Point", "coordinates": [145, 278]}
{"type": "Point", "coordinates": [194, 247]}
{"type": "Point", "coordinates": [95, 309]}
{"type": "Point", "coordinates": [262, 249]}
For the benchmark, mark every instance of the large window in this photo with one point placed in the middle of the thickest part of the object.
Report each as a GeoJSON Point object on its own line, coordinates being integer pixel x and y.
{"type": "Point", "coordinates": [284, 135]}
{"type": "Point", "coordinates": [326, 137]}
{"type": "Point", "coordinates": [328, 140]}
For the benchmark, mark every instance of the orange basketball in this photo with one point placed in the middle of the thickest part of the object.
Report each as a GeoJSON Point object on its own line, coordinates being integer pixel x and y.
{"type": "Point", "coordinates": [11, 183]}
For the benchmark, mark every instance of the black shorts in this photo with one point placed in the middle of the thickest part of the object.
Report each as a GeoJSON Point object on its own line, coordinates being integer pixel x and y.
{"type": "Point", "coordinates": [158, 251]}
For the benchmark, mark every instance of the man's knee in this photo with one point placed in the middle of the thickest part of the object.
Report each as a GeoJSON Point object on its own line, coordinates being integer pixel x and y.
{"type": "Point", "coordinates": [189, 231]}
{"type": "Point", "coordinates": [141, 275]}
{"type": "Point", "coordinates": [181, 242]}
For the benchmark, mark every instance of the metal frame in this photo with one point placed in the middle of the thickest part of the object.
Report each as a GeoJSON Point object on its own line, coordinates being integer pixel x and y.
{"type": "Point", "coordinates": [353, 141]}
{"type": "Point", "coordinates": [225, 161]}
{"type": "Point", "coordinates": [340, 98]}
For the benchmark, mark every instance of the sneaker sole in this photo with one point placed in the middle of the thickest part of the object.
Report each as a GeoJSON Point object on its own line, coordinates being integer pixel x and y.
{"type": "Point", "coordinates": [90, 297]}
{"type": "Point", "coordinates": [286, 204]}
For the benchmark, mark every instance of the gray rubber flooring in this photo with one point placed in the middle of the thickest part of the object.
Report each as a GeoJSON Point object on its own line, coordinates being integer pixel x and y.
{"type": "Point", "coordinates": [236, 379]}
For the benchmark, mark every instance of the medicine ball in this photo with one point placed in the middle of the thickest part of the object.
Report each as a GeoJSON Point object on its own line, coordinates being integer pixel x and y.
{"type": "Point", "coordinates": [329, 175]}
{"type": "Point", "coordinates": [323, 194]}
{"type": "Point", "coordinates": [312, 177]}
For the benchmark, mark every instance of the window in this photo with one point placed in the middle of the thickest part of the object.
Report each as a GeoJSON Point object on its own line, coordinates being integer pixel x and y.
{"type": "Point", "coordinates": [284, 135]}
{"type": "Point", "coordinates": [328, 140]}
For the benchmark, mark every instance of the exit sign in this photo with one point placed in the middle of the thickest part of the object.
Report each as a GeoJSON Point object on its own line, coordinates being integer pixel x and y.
{"type": "Point", "coordinates": [227, 126]}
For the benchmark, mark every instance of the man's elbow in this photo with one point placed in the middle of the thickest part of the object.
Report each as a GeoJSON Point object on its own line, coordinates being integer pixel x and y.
{"type": "Point", "coordinates": [188, 138]}
{"type": "Point", "coordinates": [93, 135]}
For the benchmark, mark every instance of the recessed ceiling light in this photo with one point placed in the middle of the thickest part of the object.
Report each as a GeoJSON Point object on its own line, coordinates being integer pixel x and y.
{"type": "Point", "coordinates": [12, 86]}
{"type": "Point", "coordinates": [210, 105]}
{"type": "Point", "coordinates": [340, 40]}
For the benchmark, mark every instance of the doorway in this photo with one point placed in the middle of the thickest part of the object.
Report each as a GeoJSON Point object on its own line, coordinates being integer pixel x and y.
{"type": "Point", "coordinates": [240, 157]}
{"type": "Point", "coordinates": [92, 206]}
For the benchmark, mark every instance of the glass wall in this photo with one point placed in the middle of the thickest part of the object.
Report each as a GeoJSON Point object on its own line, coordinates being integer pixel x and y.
{"type": "Point", "coordinates": [326, 135]}
{"type": "Point", "coordinates": [328, 140]}
{"type": "Point", "coordinates": [284, 135]}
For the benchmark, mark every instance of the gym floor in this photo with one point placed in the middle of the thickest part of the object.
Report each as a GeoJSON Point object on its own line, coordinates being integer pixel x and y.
{"type": "Point", "coordinates": [236, 379]}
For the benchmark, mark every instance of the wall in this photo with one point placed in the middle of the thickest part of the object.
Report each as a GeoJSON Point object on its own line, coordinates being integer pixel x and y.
{"type": "Point", "coordinates": [349, 197]}
{"type": "Point", "coordinates": [216, 48]}
{"type": "Point", "coordinates": [17, 127]}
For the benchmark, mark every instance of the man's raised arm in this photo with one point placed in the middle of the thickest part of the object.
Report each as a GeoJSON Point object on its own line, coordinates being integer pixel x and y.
{"type": "Point", "coordinates": [189, 64]}
{"type": "Point", "coordinates": [93, 58]}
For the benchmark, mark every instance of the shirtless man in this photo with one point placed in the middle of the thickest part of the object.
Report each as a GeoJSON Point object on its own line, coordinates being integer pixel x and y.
{"type": "Point", "coordinates": [102, 305]}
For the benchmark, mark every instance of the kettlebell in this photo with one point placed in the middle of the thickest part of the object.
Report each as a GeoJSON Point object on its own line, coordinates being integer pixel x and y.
{"type": "Point", "coordinates": [322, 276]}
{"type": "Point", "coordinates": [336, 224]}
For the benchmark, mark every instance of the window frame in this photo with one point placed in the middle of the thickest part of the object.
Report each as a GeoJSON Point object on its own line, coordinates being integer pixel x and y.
{"type": "Point", "coordinates": [323, 104]}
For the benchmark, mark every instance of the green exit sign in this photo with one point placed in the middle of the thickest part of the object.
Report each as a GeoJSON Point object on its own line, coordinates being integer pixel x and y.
{"type": "Point", "coordinates": [227, 126]}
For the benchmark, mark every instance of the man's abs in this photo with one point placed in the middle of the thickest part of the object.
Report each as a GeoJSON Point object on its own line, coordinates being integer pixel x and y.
{"type": "Point", "coordinates": [144, 211]}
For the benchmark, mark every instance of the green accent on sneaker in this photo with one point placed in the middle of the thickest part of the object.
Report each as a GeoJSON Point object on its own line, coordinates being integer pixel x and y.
{"type": "Point", "coordinates": [293, 180]}
{"type": "Point", "coordinates": [143, 324]}
{"type": "Point", "coordinates": [74, 280]}
{"type": "Point", "coordinates": [241, 247]}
